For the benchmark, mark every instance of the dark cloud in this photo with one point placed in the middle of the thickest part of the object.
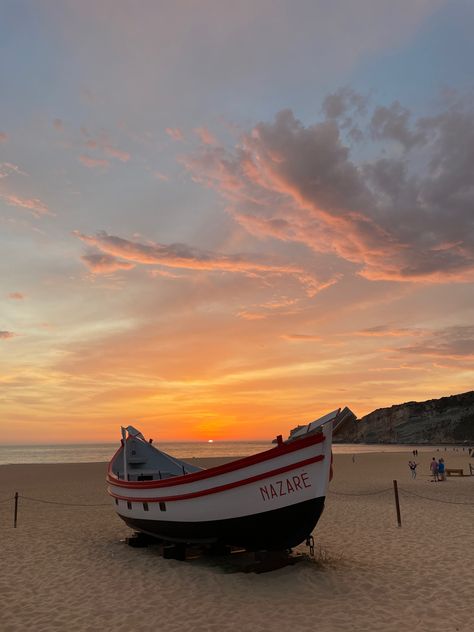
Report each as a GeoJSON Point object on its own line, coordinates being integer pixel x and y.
{"type": "Point", "coordinates": [393, 123]}
{"type": "Point", "coordinates": [101, 263]}
{"type": "Point", "coordinates": [452, 342]}
{"type": "Point", "coordinates": [399, 216]}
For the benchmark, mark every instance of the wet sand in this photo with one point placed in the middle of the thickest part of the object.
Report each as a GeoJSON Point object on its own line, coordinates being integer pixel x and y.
{"type": "Point", "coordinates": [68, 568]}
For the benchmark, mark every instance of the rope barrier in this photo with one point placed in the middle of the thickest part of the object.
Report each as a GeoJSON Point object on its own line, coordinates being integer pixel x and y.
{"type": "Point", "coordinates": [354, 494]}
{"type": "Point", "coordinates": [54, 502]}
{"type": "Point", "coordinates": [436, 500]}
{"type": "Point", "coordinates": [405, 491]}
{"type": "Point", "coordinates": [371, 493]}
{"type": "Point", "coordinates": [367, 493]}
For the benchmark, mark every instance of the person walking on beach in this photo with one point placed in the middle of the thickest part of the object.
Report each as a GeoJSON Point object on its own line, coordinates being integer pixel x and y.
{"type": "Point", "coordinates": [434, 470]}
{"type": "Point", "coordinates": [441, 470]}
{"type": "Point", "coordinates": [412, 465]}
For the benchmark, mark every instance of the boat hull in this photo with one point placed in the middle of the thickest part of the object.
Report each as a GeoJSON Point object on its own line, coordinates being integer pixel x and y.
{"type": "Point", "coordinates": [277, 529]}
{"type": "Point", "coordinates": [271, 500]}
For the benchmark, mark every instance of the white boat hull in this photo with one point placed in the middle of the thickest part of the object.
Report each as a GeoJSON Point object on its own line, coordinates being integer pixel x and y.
{"type": "Point", "coordinates": [272, 500]}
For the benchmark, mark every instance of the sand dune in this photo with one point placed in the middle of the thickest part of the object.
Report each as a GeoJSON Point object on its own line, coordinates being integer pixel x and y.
{"type": "Point", "coordinates": [67, 568]}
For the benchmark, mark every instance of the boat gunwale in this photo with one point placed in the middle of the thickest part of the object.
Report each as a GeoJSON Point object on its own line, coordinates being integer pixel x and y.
{"type": "Point", "coordinates": [238, 464]}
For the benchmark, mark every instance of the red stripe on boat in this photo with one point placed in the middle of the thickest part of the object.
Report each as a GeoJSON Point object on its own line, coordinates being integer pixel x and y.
{"type": "Point", "coordinates": [279, 450]}
{"type": "Point", "coordinates": [222, 488]}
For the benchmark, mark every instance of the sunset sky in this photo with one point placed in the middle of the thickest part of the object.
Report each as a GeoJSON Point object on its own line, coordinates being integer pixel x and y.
{"type": "Point", "coordinates": [221, 219]}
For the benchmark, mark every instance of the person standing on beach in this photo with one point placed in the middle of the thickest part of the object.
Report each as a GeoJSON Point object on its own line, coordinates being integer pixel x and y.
{"type": "Point", "coordinates": [441, 470]}
{"type": "Point", "coordinates": [434, 470]}
{"type": "Point", "coordinates": [412, 465]}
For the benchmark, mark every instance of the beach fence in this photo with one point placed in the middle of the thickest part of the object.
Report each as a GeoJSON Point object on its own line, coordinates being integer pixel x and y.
{"type": "Point", "coordinates": [395, 489]}
{"type": "Point", "coordinates": [15, 499]}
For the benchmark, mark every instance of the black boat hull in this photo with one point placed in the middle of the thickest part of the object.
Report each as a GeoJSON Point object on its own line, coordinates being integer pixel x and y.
{"type": "Point", "coordinates": [279, 529]}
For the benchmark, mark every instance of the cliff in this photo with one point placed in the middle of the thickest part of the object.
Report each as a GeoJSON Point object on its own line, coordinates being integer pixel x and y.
{"type": "Point", "coordinates": [447, 420]}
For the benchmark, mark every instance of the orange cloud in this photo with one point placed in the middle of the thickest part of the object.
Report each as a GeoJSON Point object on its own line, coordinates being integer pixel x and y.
{"type": "Point", "coordinates": [16, 296]}
{"type": "Point", "coordinates": [383, 331]}
{"type": "Point", "coordinates": [301, 337]}
{"type": "Point", "coordinates": [245, 315]}
{"type": "Point", "coordinates": [105, 264]}
{"type": "Point", "coordinates": [3, 137]}
{"type": "Point", "coordinates": [58, 125]}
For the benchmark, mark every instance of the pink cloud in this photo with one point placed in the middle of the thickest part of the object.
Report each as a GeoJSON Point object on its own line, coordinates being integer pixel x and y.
{"type": "Point", "coordinates": [187, 257]}
{"type": "Point", "coordinates": [206, 137]}
{"type": "Point", "coordinates": [102, 143]}
{"type": "Point", "coordinates": [123, 156]}
{"type": "Point", "coordinates": [175, 133]}
{"type": "Point", "coordinates": [161, 176]}
{"type": "Point", "coordinates": [6, 335]}
{"type": "Point", "coordinates": [163, 273]}
{"type": "Point", "coordinates": [3, 137]}
{"type": "Point", "coordinates": [105, 264]}
{"type": "Point", "coordinates": [16, 296]}
{"type": "Point", "coordinates": [94, 163]}
{"type": "Point", "coordinates": [35, 205]}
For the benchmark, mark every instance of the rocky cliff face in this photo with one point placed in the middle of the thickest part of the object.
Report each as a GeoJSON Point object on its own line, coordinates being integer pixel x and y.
{"type": "Point", "coordinates": [445, 420]}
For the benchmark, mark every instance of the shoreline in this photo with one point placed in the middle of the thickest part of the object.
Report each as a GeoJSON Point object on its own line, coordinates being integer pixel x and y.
{"type": "Point", "coordinates": [338, 448]}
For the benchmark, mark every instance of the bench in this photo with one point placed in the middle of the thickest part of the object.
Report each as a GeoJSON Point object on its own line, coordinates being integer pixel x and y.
{"type": "Point", "coordinates": [454, 472]}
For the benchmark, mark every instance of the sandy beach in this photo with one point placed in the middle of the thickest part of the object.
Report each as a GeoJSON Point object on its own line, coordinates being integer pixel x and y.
{"type": "Point", "coordinates": [68, 568]}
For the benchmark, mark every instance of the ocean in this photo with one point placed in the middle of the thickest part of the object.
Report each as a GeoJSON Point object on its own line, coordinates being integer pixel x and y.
{"type": "Point", "coordinates": [103, 452]}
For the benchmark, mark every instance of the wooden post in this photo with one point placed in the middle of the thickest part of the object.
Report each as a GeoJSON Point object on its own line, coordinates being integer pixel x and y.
{"type": "Point", "coordinates": [397, 503]}
{"type": "Point", "coordinates": [16, 510]}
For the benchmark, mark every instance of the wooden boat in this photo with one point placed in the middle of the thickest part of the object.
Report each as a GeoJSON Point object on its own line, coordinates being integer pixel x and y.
{"type": "Point", "coordinates": [268, 501]}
